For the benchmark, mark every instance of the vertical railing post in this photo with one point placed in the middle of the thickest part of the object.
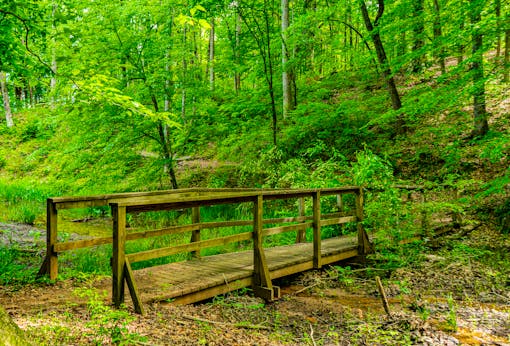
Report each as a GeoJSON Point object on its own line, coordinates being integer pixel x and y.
{"type": "Point", "coordinates": [301, 234]}
{"type": "Point", "coordinates": [317, 258]}
{"type": "Point", "coordinates": [119, 247]}
{"type": "Point", "coordinates": [195, 235]}
{"type": "Point", "coordinates": [363, 242]}
{"type": "Point", "coordinates": [262, 285]}
{"type": "Point", "coordinates": [51, 239]}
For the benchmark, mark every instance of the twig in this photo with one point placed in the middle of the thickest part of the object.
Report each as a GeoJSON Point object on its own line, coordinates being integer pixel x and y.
{"type": "Point", "coordinates": [383, 296]}
{"type": "Point", "coordinates": [311, 335]}
{"type": "Point", "coordinates": [307, 288]}
{"type": "Point", "coordinates": [237, 325]}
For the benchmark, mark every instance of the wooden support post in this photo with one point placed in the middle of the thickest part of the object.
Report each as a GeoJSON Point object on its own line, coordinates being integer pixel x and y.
{"type": "Point", "coordinates": [364, 246]}
{"type": "Point", "coordinates": [133, 289]}
{"type": "Point", "coordinates": [317, 242]}
{"type": "Point", "coordinates": [262, 285]}
{"type": "Point", "coordinates": [195, 235]}
{"type": "Point", "coordinates": [119, 253]}
{"type": "Point", "coordinates": [50, 264]}
{"type": "Point", "coordinates": [301, 234]}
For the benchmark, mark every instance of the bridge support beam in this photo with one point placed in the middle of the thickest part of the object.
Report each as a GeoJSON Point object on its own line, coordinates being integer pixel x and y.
{"type": "Point", "coordinates": [50, 264]}
{"type": "Point", "coordinates": [364, 245]}
{"type": "Point", "coordinates": [262, 285]}
{"type": "Point", "coordinates": [119, 253]}
{"type": "Point", "coordinates": [317, 257]}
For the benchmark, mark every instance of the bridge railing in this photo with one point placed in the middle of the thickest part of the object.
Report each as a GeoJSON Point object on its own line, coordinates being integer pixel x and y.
{"type": "Point", "coordinates": [57, 204]}
{"type": "Point", "coordinates": [121, 261]}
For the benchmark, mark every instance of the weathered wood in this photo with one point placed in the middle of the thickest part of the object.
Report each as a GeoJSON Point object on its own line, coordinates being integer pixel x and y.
{"type": "Point", "coordinates": [338, 220]}
{"type": "Point", "coordinates": [162, 231]}
{"type": "Point", "coordinates": [133, 289]}
{"type": "Point", "coordinates": [301, 234]}
{"type": "Point", "coordinates": [119, 251]}
{"type": "Point", "coordinates": [289, 228]}
{"type": "Point", "coordinates": [172, 250]}
{"type": "Point", "coordinates": [195, 235]}
{"type": "Point", "coordinates": [363, 247]}
{"type": "Point", "coordinates": [316, 200]}
{"type": "Point", "coordinates": [78, 244]}
{"type": "Point", "coordinates": [380, 288]}
{"type": "Point", "coordinates": [51, 239]}
{"type": "Point", "coordinates": [261, 279]}
{"type": "Point", "coordinates": [198, 279]}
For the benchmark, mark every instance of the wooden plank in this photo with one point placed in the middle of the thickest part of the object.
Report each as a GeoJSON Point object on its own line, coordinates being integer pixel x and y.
{"type": "Point", "coordinates": [168, 251]}
{"type": "Point", "coordinates": [133, 289]}
{"type": "Point", "coordinates": [203, 278]}
{"type": "Point", "coordinates": [161, 232]}
{"type": "Point", "coordinates": [78, 244]}
{"type": "Point", "coordinates": [119, 249]}
{"type": "Point", "coordinates": [287, 219]}
{"type": "Point", "coordinates": [338, 221]}
{"type": "Point", "coordinates": [220, 224]}
{"type": "Point", "coordinates": [103, 200]}
{"type": "Point", "coordinates": [212, 291]}
{"type": "Point", "coordinates": [292, 269]}
{"type": "Point", "coordinates": [316, 201]}
{"type": "Point", "coordinates": [328, 259]}
{"type": "Point", "coordinates": [289, 228]}
{"type": "Point", "coordinates": [198, 200]}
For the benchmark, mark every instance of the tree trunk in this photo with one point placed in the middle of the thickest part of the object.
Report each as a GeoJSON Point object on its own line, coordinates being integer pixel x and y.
{"type": "Point", "coordinates": [166, 147]}
{"type": "Point", "coordinates": [237, 56]}
{"type": "Point", "coordinates": [497, 9]}
{"type": "Point", "coordinates": [381, 54]}
{"type": "Point", "coordinates": [438, 34]}
{"type": "Point", "coordinates": [418, 31]}
{"type": "Point", "coordinates": [269, 76]}
{"type": "Point", "coordinates": [506, 75]}
{"type": "Point", "coordinates": [460, 45]}
{"type": "Point", "coordinates": [5, 97]}
{"type": "Point", "coordinates": [184, 75]}
{"type": "Point", "coordinates": [53, 80]}
{"type": "Point", "coordinates": [286, 87]}
{"type": "Point", "coordinates": [481, 126]}
{"type": "Point", "coordinates": [211, 56]}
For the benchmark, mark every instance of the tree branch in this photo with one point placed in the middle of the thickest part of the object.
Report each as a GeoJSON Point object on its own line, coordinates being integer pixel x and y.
{"type": "Point", "coordinates": [27, 32]}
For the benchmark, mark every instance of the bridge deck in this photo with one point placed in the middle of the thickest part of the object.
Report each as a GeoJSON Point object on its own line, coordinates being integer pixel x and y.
{"type": "Point", "coordinates": [199, 279]}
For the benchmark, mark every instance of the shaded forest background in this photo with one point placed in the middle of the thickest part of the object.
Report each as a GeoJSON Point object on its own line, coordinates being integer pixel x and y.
{"type": "Point", "coordinates": [122, 96]}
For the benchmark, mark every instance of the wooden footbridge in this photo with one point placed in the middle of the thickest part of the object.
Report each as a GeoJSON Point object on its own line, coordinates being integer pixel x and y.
{"type": "Point", "coordinates": [200, 277]}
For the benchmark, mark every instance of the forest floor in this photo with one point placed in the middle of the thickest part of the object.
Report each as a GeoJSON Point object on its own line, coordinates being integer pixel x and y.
{"type": "Point", "coordinates": [448, 298]}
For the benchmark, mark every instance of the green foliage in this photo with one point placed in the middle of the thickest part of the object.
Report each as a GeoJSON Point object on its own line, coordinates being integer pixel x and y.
{"type": "Point", "coordinates": [25, 201]}
{"type": "Point", "coordinates": [14, 264]}
{"type": "Point", "coordinates": [108, 324]}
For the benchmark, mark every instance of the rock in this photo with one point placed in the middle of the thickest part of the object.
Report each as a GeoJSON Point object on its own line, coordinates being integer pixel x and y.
{"type": "Point", "coordinates": [10, 333]}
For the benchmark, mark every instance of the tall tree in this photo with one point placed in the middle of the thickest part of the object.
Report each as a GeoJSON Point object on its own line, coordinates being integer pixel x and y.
{"type": "Point", "coordinates": [261, 31]}
{"type": "Point", "coordinates": [481, 126]}
{"type": "Point", "coordinates": [381, 53]}
{"type": "Point", "coordinates": [286, 82]}
{"type": "Point", "coordinates": [418, 35]}
{"type": "Point", "coordinates": [439, 50]}
{"type": "Point", "coordinates": [6, 100]}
